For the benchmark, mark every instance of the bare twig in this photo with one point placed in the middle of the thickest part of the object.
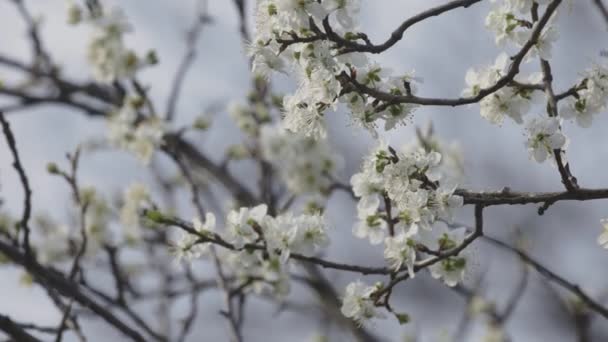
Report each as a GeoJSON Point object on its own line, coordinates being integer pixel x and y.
{"type": "Point", "coordinates": [192, 36]}
{"type": "Point", "coordinates": [602, 8]}
{"type": "Point", "coordinates": [553, 277]}
{"type": "Point", "coordinates": [27, 200]}
{"type": "Point", "coordinates": [15, 331]}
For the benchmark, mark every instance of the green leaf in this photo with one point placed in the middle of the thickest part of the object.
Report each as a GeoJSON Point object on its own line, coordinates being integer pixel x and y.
{"type": "Point", "coordinates": [403, 318]}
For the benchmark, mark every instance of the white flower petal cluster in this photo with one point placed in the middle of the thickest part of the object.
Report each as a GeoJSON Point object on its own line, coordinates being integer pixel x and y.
{"type": "Point", "coordinates": [244, 226]}
{"type": "Point", "coordinates": [591, 98]}
{"type": "Point", "coordinates": [357, 303]}
{"type": "Point", "coordinates": [248, 118]}
{"type": "Point", "coordinates": [188, 246]}
{"type": "Point", "coordinates": [452, 163]}
{"type": "Point", "coordinates": [97, 220]}
{"type": "Point", "coordinates": [508, 20]}
{"type": "Point", "coordinates": [317, 65]}
{"type": "Point", "coordinates": [305, 165]}
{"type": "Point", "coordinates": [450, 270]}
{"type": "Point", "coordinates": [508, 101]}
{"type": "Point", "coordinates": [107, 54]}
{"type": "Point", "coordinates": [284, 234]}
{"type": "Point", "coordinates": [51, 241]}
{"type": "Point", "coordinates": [411, 182]}
{"type": "Point", "coordinates": [303, 234]}
{"type": "Point", "coordinates": [136, 197]}
{"type": "Point", "coordinates": [544, 136]}
{"type": "Point", "coordinates": [401, 250]}
{"type": "Point", "coordinates": [281, 236]}
{"type": "Point", "coordinates": [136, 134]}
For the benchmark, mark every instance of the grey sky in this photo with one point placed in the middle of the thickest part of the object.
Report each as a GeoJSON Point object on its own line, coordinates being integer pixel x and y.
{"type": "Point", "coordinates": [440, 50]}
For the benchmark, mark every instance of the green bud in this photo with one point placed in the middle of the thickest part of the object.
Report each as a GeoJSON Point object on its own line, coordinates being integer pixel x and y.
{"type": "Point", "coordinates": [201, 123]}
{"type": "Point", "coordinates": [154, 216]}
{"type": "Point", "coordinates": [131, 59]}
{"type": "Point", "coordinates": [151, 57]}
{"type": "Point", "coordinates": [403, 318]}
{"type": "Point", "coordinates": [74, 15]}
{"type": "Point", "coordinates": [238, 152]}
{"type": "Point", "coordinates": [52, 168]}
{"type": "Point", "coordinates": [87, 195]}
{"type": "Point", "coordinates": [26, 279]}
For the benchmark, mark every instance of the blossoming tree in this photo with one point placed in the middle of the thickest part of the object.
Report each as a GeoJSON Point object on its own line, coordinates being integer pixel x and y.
{"type": "Point", "coordinates": [273, 235]}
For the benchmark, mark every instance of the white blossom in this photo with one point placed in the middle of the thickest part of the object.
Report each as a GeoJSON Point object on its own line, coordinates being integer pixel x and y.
{"type": "Point", "coordinates": [544, 136]}
{"type": "Point", "coordinates": [450, 270]}
{"type": "Point", "coordinates": [477, 79]}
{"type": "Point", "coordinates": [357, 303]}
{"type": "Point", "coordinates": [504, 23]}
{"type": "Point", "coordinates": [345, 12]}
{"type": "Point", "coordinates": [544, 44]}
{"type": "Point", "coordinates": [136, 197]}
{"type": "Point", "coordinates": [591, 97]}
{"type": "Point", "coordinates": [304, 234]}
{"type": "Point", "coordinates": [305, 165]}
{"type": "Point", "coordinates": [401, 250]}
{"type": "Point", "coordinates": [242, 225]}
{"type": "Point", "coordinates": [189, 246]}
{"type": "Point", "coordinates": [139, 136]}
{"type": "Point", "coordinates": [303, 117]}
{"type": "Point", "coordinates": [411, 180]}
{"type": "Point", "coordinates": [108, 56]}
{"type": "Point", "coordinates": [372, 227]}
{"type": "Point", "coordinates": [504, 102]}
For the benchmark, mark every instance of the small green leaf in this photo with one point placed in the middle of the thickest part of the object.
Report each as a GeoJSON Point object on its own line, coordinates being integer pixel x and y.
{"type": "Point", "coordinates": [403, 318]}
{"type": "Point", "coordinates": [52, 168]}
{"type": "Point", "coordinates": [154, 216]}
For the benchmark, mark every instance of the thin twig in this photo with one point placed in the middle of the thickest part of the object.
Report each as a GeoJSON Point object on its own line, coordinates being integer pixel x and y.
{"type": "Point", "coordinates": [27, 200]}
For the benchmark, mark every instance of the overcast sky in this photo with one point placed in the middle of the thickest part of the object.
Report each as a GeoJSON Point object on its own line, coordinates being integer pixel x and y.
{"type": "Point", "coordinates": [440, 51]}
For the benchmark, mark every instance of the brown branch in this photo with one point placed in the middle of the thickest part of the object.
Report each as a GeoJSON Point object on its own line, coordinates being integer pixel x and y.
{"type": "Point", "coordinates": [329, 299]}
{"type": "Point", "coordinates": [478, 232]}
{"type": "Point", "coordinates": [397, 35]}
{"type": "Point", "coordinates": [191, 39]}
{"type": "Point", "coordinates": [177, 146]}
{"type": "Point", "coordinates": [602, 8]}
{"type": "Point", "coordinates": [15, 331]}
{"type": "Point", "coordinates": [27, 200]}
{"type": "Point", "coordinates": [222, 279]}
{"type": "Point", "coordinates": [512, 198]}
{"type": "Point", "coordinates": [517, 59]}
{"type": "Point", "coordinates": [515, 297]}
{"type": "Point", "coordinates": [568, 179]}
{"type": "Point", "coordinates": [240, 8]}
{"type": "Point", "coordinates": [56, 280]}
{"type": "Point", "coordinates": [38, 51]}
{"type": "Point", "coordinates": [28, 100]}
{"type": "Point", "coordinates": [553, 277]}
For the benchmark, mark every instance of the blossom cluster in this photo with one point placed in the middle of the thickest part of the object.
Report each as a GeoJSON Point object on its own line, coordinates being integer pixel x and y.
{"type": "Point", "coordinates": [413, 196]}
{"type": "Point", "coordinates": [283, 42]}
{"type": "Point", "coordinates": [129, 130]}
{"type": "Point", "coordinates": [305, 165]}
{"type": "Point", "coordinates": [405, 197]}
{"type": "Point", "coordinates": [108, 56]}
{"type": "Point", "coordinates": [360, 301]}
{"type": "Point", "coordinates": [510, 24]}
{"type": "Point", "coordinates": [261, 244]}
{"type": "Point", "coordinates": [591, 97]}
{"type": "Point", "coordinates": [508, 20]}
